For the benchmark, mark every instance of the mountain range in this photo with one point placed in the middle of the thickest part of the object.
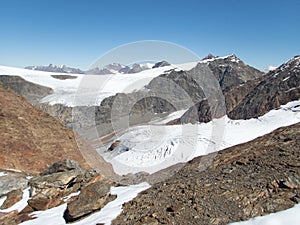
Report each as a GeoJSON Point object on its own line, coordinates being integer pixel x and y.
{"type": "Point", "coordinates": [108, 69]}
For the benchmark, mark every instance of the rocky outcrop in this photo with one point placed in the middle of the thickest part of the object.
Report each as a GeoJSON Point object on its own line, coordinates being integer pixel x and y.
{"type": "Point", "coordinates": [244, 181]}
{"type": "Point", "coordinates": [66, 181]}
{"type": "Point", "coordinates": [31, 91]}
{"type": "Point", "coordinates": [277, 88]}
{"type": "Point", "coordinates": [63, 77]}
{"type": "Point", "coordinates": [92, 198]}
{"type": "Point", "coordinates": [59, 180]}
{"type": "Point", "coordinates": [161, 64]}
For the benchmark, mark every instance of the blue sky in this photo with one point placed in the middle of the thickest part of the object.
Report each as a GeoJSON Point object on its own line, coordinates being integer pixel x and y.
{"type": "Point", "coordinates": [76, 32]}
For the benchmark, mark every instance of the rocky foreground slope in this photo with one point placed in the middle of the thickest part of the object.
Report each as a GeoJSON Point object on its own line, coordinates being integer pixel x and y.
{"type": "Point", "coordinates": [31, 140]}
{"type": "Point", "coordinates": [248, 180]}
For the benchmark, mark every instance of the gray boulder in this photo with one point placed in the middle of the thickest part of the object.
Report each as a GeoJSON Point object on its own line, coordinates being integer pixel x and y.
{"type": "Point", "coordinates": [93, 197]}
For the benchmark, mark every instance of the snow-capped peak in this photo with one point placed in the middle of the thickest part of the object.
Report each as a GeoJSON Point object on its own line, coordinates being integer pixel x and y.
{"type": "Point", "coordinates": [211, 58]}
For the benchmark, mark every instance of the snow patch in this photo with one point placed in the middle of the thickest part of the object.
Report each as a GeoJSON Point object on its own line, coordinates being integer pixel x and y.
{"type": "Point", "coordinates": [285, 79]}
{"type": "Point", "coordinates": [2, 174]}
{"type": "Point", "coordinates": [105, 215]}
{"type": "Point", "coordinates": [66, 198]}
{"type": "Point", "coordinates": [19, 205]}
{"type": "Point", "coordinates": [170, 117]}
{"type": "Point", "coordinates": [289, 216]}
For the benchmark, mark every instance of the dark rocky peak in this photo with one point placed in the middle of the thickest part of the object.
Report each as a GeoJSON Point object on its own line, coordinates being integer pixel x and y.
{"type": "Point", "coordinates": [293, 65]}
{"type": "Point", "coordinates": [228, 58]}
{"type": "Point", "coordinates": [230, 71]}
{"type": "Point", "coordinates": [236, 80]}
{"type": "Point", "coordinates": [161, 64]}
{"type": "Point", "coordinates": [276, 88]}
{"type": "Point", "coordinates": [209, 56]}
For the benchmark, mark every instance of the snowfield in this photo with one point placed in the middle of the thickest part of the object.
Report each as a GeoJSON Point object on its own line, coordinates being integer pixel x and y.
{"type": "Point", "coordinates": [85, 90]}
{"type": "Point", "coordinates": [155, 147]}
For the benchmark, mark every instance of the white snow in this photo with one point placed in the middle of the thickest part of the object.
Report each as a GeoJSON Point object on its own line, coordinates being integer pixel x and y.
{"type": "Point", "coordinates": [105, 215]}
{"type": "Point", "coordinates": [86, 89]}
{"type": "Point", "coordinates": [2, 200]}
{"type": "Point", "coordinates": [19, 205]}
{"type": "Point", "coordinates": [155, 147]}
{"type": "Point", "coordinates": [285, 79]}
{"type": "Point", "coordinates": [2, 174]}
{"type": "Point", "coordinates": [289, 216]}
{"type": "Point", "coordinates": [66, 198]}
{"type": "Point", "coordinates": [271, 68]}
{"type": "Point", "coordinates": [170, 117]}
{"type": "Point", "coordinates": [191, 65]}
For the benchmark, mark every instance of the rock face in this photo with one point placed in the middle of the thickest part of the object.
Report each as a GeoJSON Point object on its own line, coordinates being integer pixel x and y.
{"type": "Point", "coordinates": [93, 197]}
{"type": "Point", "coordinates": [233, 77]}
{"type": "Point", "coordinates": [255, 97]}
{"type": "Point", "coordinates": [278, 87]}
{"type": "Point", "coordinates": [32, 92]}
{"type": "Point", "coordinates": [244, 181]}
{"type": "Point", "coordinates": [231, 71]}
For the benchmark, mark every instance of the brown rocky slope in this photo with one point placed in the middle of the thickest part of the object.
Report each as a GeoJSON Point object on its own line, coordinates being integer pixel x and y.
{"type": "Point", "coordinates": [244, 181]}
{"type": "Point", "coordinates": [31, 140]}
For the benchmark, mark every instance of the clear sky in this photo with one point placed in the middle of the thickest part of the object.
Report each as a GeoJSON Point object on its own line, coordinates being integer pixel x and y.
{"type": "Point", "coordinates": [76, 32]}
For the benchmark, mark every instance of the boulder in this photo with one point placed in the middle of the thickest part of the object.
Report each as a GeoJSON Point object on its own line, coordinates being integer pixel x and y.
{"type": "Point", "coordinates": [12, 181]}
{"type": "Point", "coordinates": [92, 198]}
{"type": "Point", "coordinates": [63, 166]}
{"type": "Point", "coordinates": [12, 198]}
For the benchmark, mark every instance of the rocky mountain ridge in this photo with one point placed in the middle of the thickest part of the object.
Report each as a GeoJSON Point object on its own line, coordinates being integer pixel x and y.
{"type": "Point", "coordinates": [254, 97]}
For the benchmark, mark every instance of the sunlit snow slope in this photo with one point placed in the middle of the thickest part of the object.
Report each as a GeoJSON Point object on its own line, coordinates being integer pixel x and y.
{"type": "Point", "coordinates": [154, 147]}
